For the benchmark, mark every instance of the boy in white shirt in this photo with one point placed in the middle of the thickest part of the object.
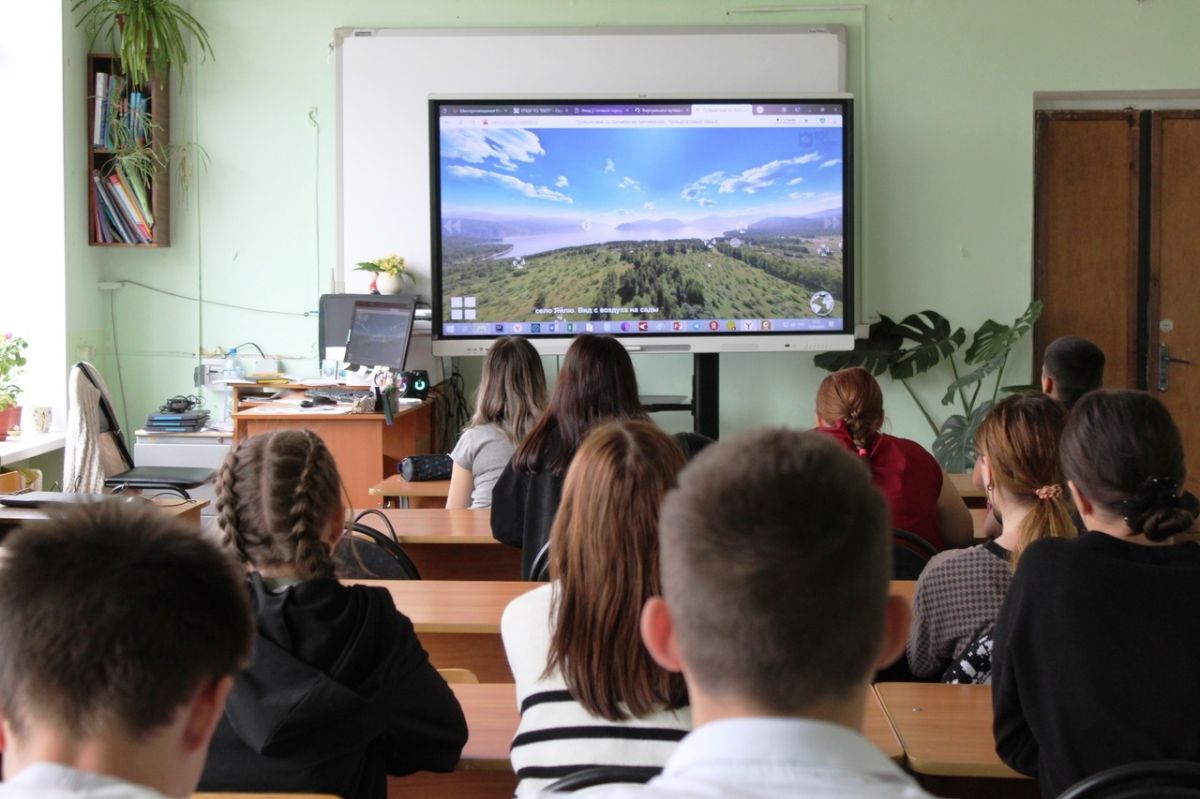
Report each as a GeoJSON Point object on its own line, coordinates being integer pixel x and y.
{"type": "Point", "coordinates": [120, 632]}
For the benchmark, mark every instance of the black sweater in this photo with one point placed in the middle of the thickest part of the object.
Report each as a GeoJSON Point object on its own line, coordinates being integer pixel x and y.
{"type": "Point", "coordinates": [339, 695]}
{"type": "Point", "coordinates": [1096, 650]}
{"type": "Point", "coordinates": [523, 507]}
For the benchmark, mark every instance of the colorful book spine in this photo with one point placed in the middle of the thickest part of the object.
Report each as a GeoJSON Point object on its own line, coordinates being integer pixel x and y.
{"type": "Point", "coordinates": [127, 204]}
{"type": "Point", "coordinates": [139, 190]}
{"type": "Point", "coordinates": [114, 216]}
{"type": "Point", "coordinates": [99, 109]}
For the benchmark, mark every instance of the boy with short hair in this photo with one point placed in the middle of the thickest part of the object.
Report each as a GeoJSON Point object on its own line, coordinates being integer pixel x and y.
{"type": "Point", "coordinates": [776, 557]}
{"type": "Point", "coordinates": [1071, 367]}
{"type": "Point", "coordinates": [120, 632]}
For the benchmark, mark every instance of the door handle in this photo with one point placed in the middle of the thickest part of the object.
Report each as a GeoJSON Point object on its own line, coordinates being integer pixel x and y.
{"type": "Point", "coordinates": [1164, 365]}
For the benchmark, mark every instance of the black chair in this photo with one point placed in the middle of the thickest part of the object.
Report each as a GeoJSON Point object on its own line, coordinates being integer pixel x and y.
{"type": "Point", "coordinates": [1161, 779]}
{"type": "Point", "coordinates": [910, 554]}
{"type": "Point", "coordinates": [539, 570]}
{"type": "Point", "coordinates": [120, 474]}
{"type": "Point", "coordinates": [603, 775]}
{"type": "Point", "coordinates": [365, 553]}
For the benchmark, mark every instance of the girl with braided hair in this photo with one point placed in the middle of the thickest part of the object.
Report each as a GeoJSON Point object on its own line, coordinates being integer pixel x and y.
{"type": "Point", "coordinates": [340, 693]}
{"type": "Point", "coordinates": [1096, 641]}
{"type": "Point", "coordinates": [920, 497]}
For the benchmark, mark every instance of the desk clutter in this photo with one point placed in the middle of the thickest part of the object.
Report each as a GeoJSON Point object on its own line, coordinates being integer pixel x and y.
{"type": "Point", "coordinates": [179, 414]}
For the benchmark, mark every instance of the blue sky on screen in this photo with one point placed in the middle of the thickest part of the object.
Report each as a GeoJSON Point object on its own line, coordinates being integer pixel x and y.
{"type": "Point", "coordinates": [615, 175]}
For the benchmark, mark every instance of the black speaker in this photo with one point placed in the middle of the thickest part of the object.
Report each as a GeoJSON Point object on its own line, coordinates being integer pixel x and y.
{"type": "Point", "coordinates": [415, 384]}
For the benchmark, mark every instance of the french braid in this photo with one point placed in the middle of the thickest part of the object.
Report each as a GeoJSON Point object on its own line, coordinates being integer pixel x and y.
{"type": "Point", "coordinates": [275, 495]}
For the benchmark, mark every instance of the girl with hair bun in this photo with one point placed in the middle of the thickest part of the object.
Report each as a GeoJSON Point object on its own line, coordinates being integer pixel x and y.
{"type": "Point", "coordinates": [921, 499]}
{"type": "Point", "coordinates": [960, 592]}
{"type": "Point", "coordinates": [1097, 639]}
{"type": "Point", "coordinates": [339, 693]}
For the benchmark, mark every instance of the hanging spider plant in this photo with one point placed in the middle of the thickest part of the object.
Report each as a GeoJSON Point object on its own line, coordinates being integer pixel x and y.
{"type": "Point", "coordinates": [148, 35]}
{"type": "Point", "coordinates": [132, 133]}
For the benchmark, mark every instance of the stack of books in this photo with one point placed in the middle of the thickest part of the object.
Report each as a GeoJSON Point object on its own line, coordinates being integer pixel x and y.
{"type": "Point", "coordinates": [189, 422]}
{"type": "Point", "coordinates": [114, 108]}
{"type": "Point", "coordinates": [121, 211]}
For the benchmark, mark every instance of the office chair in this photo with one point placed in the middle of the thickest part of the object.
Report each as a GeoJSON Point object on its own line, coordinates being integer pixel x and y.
{"type": "Point", "coordinates": [539, 570]}
{"type": "Point", "coordinates": [910, 554]}
{"type": "Point", "coordinates": [1161, 779]}
{"type": "Point", "coordinates": [365, 553]}
{"type": "Point", "coordinates": [96, 456]}
{"type": "Point", "coordinates": [602, 775]}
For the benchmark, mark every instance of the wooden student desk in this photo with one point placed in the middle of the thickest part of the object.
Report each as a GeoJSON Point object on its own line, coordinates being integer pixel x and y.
{"type": "Point", "coordinates": [974, 497]}
{"type": "Point", "coordinates": [450, 544]}
{"type": "Point", "coordinates": [458, 621]}
{"type": "Point", "coordinates": [946, 730]}
{"type": "Point", "coordinates": [186, 509]}
{"type": "Point", "coordinates": [395, 490]}
{"type": "Point", "coordinates": [364, 446]}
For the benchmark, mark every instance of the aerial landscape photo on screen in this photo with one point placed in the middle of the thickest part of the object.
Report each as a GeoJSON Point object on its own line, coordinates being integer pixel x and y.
{"type": "Point", "coordinates": [616, 223]}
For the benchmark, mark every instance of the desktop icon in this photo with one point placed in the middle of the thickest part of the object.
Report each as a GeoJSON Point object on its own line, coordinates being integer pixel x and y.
{"type": "Point", "coordinates": [536, 327]}
{"type": "Point", "coordinates": [643, 327]}
{"type": "Point", "coordinates": [551, 328]}
{"type": "Point", "coordinates": [677, 326]}
{"type": "Point", "coordinates": [821, 303]}
{"type": "Point", "coordinates": [624, 327]}
{"type": "Point", "coordinates": [714, 325]}
{"type": "Point", "coordinates": [499, 328]}
{"type": "Point", "coordinates": [731, 325]}
{"type": "Point", "coordinates": [570, 327]}
{"type": "Point", "coordinates": [766, 324]}
{"type": "Point", "coordinates": [748, 323]}
{"type": "Point", "coordinates": [590, 327]}
{"type": "Point", "coordinates": [517, 328]}
{"type": "Point", "coordinates": [480, 328]}
{"type": "Point", "coordinates": [695, 325]}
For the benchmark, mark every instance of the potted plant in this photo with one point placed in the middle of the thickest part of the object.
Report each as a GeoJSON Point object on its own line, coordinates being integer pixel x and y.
{"type": "Point", "coordinates": [932, 340]}
{"type": "Point", "coordinates": [12, 358]}
{"type": "Point", "coordinates": [148, 35]}
{"type": "Point", "coordinates": [390, 273]}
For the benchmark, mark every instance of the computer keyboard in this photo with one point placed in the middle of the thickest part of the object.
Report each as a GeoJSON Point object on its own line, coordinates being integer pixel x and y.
{"type": "Point", "coordinates": [338, 394]}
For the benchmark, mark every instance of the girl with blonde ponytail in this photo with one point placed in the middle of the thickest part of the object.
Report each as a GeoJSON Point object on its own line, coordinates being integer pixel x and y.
{"type": "Point", "coordinates": [340, 693]}
{"type": "Point", "coordinates": [959, 594]}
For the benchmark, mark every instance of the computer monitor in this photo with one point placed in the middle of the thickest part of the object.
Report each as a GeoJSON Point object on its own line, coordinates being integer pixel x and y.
{"type": "Point", "coordinates": [336, 311]}
{"type": "Point", "coordinates": [379, 333]}
{"type": "Point", "coordinates": [678, 225]}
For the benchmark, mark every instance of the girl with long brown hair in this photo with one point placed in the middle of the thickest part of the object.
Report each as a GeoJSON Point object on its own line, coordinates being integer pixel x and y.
{"type": "Point", "coordinates": [922, 500]}
{"type": "Point", "coordinates": [1097, 638]}
{"type": "Point", "coordinates": [511, 395]}
{"type": "Point", "coordinates": [589, 692]}
{"type": "Point", "coordinates": [596, 384]}
{"type": "Point", "coordinates": [340, 693]}
{"type": "Point", "coordinates": [959, 594]}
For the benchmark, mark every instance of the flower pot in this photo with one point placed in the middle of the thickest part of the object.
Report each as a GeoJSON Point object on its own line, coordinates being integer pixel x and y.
{"type": "Point", "coordinates": [10, 417]}
{"type": "Point", "coordinates": [389, 284]}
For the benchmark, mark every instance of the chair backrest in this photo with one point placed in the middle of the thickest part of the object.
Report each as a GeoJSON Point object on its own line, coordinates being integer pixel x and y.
{"type": "Point", "coordinates": [114, 453]}
{"type": "Point", "coordinates": [539, 570]}
{"type": "Point", "coordinates": [365, 553]}
{"type": "Point", "coordinates": [603, 775]}
{"type": "Point", "coordinates": [1161, 779]}
{"type": "Point", "coordinates": [910, 553]}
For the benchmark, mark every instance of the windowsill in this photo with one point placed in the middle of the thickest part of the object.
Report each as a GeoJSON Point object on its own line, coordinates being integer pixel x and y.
{"type": "Point", "coordinates": [30, 445]}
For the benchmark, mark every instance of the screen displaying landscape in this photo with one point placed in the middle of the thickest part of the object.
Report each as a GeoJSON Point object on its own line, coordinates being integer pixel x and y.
{"type": "Point", "coordinates": [613, 222]}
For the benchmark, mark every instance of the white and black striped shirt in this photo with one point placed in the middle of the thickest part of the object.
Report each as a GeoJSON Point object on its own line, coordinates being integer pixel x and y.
{"type": "Point", "coordinates": [557, 736]}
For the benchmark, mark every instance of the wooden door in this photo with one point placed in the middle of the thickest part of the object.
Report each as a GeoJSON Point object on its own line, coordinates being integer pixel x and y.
{"type": "Point", "coordinates": [1086, 235]}
{"type": "Point", "coordinates": [1175, 274]}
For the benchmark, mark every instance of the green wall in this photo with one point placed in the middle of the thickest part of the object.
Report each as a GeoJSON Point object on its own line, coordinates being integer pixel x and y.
{"type": "Point", "coordinates": [947, 90]}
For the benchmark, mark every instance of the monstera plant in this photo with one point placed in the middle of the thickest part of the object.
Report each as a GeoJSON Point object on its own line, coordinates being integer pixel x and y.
{"type": "Point", "coordinates": [922, 341]}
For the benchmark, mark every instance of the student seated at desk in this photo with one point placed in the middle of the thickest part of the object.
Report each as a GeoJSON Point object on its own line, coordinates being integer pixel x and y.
{"type": "Point", "coordinates": [960, 591]}
{"type": "Point", "coordinates": [120, 632]}
{"type": "Point", "coordinates": [776, 555]}
{"type": "Point", "coordinates": [922, 500]}
{"type": "Point", "coordinates": [340, 693]}
{"type": "Point", "coordinates": [1097, 639]}
{"type": "Point", "coordinates": [596, 384]}
{"type": "Point", "coordinates": [511, 395]}
{"type": "Point", "coordinates": [589, 693]}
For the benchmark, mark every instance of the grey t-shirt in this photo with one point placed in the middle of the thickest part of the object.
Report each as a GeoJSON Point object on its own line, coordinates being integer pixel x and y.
{"type": "Point", "coordinates": [484, 451]}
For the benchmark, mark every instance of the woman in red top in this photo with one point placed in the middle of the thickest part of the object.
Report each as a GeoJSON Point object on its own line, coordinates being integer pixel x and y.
{"type": "Point", "coordinates": [921, 499]}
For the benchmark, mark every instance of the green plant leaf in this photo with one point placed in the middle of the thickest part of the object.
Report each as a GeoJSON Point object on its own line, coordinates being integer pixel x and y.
{"type": "Point", "coordinates": [935, 340]}
{"type": "Point", "coordinates": [974, 376]}
{"type": "Point", "coordinates": [993, 339]}
{"type": "Point", "coordinates": [873, 353]}
{"type": "Point", "coordinates": [954, 446]}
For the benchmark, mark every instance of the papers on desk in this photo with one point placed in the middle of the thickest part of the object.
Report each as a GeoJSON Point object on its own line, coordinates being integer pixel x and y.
{"type": "Point", "coordinates": [286, 408]}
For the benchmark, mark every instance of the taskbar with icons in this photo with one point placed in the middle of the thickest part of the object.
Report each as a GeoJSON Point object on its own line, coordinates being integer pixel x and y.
{"type": "Point", "coordinates": [657, 326]}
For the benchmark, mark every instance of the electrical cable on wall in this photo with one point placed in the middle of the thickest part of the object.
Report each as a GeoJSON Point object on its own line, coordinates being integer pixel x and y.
{"type": "Point", "coordinates": [312, 119]}
{"type": "Point", "coordinates": [202, 302]}
{"type": "Point", "coordinates": [112, 312]}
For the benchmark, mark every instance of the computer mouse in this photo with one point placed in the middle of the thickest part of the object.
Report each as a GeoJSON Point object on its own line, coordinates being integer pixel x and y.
{"type": "Point", "coordinates": [306, 403]}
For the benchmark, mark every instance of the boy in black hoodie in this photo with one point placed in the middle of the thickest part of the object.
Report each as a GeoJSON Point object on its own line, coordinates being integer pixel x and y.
{"type": "Point", "coordinates": [340, 693]}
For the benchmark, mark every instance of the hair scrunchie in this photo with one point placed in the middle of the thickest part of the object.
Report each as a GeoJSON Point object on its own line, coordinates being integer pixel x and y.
{"type": "Point", "coordinates": [1052, 491]}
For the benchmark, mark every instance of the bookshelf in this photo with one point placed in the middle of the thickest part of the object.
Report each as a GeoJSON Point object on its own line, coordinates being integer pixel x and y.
{"type": "Point", "coordinates": [135, 209]}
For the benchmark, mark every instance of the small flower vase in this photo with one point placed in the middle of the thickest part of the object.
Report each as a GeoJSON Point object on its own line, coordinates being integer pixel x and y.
{"type": "Point", "coordinates": [389, 284]}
